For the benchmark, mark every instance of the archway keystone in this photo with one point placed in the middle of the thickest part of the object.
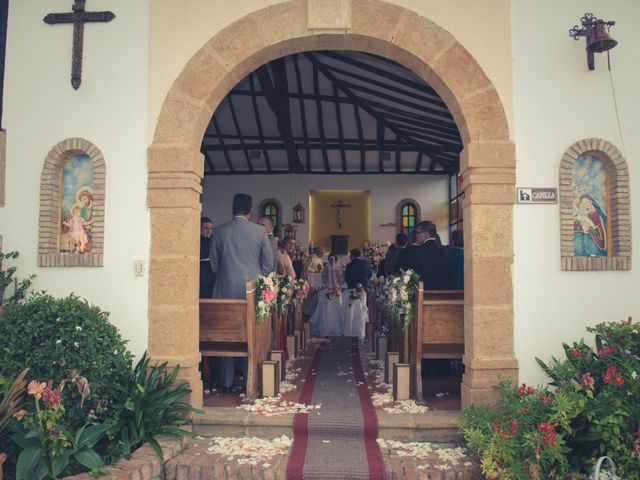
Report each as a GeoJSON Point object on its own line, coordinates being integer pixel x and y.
{"type": "Point", "coordinates": [487, 165]}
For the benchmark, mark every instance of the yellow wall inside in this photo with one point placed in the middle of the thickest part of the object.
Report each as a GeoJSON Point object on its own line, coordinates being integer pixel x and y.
{"type": "Point", "coordinates": [323, 218]}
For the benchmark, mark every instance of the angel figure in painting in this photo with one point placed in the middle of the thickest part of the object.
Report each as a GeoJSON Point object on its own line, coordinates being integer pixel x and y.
{"type": "Point", "coordinates": [589, 228]}
{"type": "Point", "coordinates": [78, 226]}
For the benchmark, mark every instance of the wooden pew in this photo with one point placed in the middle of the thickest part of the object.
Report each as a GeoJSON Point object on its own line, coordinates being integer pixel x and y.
{"type": "Point", "coordinates": [228, 328]}
{"type": "Point", "coordinates": [437, 331]}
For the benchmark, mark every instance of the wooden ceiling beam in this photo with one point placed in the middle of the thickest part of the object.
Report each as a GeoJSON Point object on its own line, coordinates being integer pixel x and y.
{"type": "Point", "coordinates": [256, 111]}
{"type": "Point", "coordinates": [237, 126]}
{"type": "Point", "coordinates": [303, 112]}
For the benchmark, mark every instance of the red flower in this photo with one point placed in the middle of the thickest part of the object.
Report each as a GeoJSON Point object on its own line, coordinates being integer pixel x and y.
{"type": "Point", "coordinates": [626, 322]}
{"type": "Point", "coordinates": [575, 352]}
{"type": "Point", "coordinates": [505, 435]}
{"type": "Point", "coordinates": [514, 426]}
{"type": "Point", "coordinates": [495, 427]}
{"type": "Point", "coordinates": [546, 399]}
{"type": "Point", "coordinates": [607, 351]}
{"type": "Point", "coordinates": [545, 427]}
{"type": "Point", "coordinates": [530, 391]}
{"type": "Point", "coordinates": [619, 380]}
{"type": "Point", "coordinates": [525, 410]}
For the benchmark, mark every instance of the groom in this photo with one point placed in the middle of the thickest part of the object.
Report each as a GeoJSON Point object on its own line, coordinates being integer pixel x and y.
{"type": "Point", "coordinates": [240, 251]}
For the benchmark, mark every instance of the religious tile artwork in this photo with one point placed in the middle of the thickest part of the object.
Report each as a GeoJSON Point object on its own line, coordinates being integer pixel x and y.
{"type": "Point", "coordinates": [589, 185]}
{"type": "Point", "coordinates": [76, 205]}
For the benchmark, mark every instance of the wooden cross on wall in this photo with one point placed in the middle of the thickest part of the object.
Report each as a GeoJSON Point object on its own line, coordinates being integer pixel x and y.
{"type": "Point", "coordinates": [339, 206]}
{"type": "Point", "coordinates": [78, 17]}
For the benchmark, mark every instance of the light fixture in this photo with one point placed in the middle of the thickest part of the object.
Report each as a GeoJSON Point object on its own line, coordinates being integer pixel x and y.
{"type": "Point", "coordinates": [596, 31]}
{"type": "Point", "coordinates": [298, 213]}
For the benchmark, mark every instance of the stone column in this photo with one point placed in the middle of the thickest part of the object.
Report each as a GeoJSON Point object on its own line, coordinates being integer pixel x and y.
{"type": "Point", "coordinates": [174, 199]}
{"type": "Point", "coordinates": [489, 182]}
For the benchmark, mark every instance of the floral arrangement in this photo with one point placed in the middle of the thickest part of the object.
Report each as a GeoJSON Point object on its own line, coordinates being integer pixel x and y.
{"type": "Point", "coordinates": [285, 294]}
{"type": "Point", "coordinates": [300, 291]}
{"type": "Point", "coordinates": [333, 292]}
{"type": "Point", "coordinates": [266, 295]}
{"type": "Point", "coordinates": [356, 294]}
{"type": "Point", "coordinates": [400, 292]}
{"type": "Point", "coordinates": [374, 253]}
{"type": "Point", "coordinates": [591, 409]}
{"type": "Point", "coordinates": [301, 253]}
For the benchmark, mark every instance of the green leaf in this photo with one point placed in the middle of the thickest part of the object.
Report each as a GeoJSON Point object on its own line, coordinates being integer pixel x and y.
{"type": "Point", "coordinates": [88, 458]}
{"type": "Point", "coordinates": [28, 462]}
{"type": "Point", "coordinates": [92, 434]}
{"type": "Point", "coordinates": [156, 446]}
{"type": "Point", "coordinates": [58, 464]}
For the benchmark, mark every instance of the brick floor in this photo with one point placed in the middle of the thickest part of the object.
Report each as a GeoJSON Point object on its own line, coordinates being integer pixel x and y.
{"type": "Point", "coordinates": [195, 463]}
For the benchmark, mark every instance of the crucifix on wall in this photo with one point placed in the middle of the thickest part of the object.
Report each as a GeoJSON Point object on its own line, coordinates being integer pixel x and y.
{"type": "Point", "coordinates": [339, 207]}
{"type": "Point", "coordinates": [78, 17]}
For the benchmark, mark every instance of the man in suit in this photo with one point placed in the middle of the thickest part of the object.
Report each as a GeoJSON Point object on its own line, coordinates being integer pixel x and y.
{"type": "Point", "coordinates": [429, 259]}
{"type": "Point", "coordinates": [358, 271]}
{"type": "Point", "coordinates": [392, 255]}
{"type": "Point", "coordinates": [240, 251]}
{"type": "Point", "coordinates": [273, 240]}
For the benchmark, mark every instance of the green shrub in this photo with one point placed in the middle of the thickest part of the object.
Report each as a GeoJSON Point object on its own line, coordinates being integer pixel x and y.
{"type": "Point", "coordinates": [607, 380]}
{"type": "Point", "coordinates": [152, 407]}
{"type": "Point", "coordinates": [59, 339]}
{"type": "Point", "coordinates": [592, 409]}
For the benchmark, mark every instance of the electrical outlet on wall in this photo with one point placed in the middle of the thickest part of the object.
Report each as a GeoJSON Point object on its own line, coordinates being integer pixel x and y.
{"type": "Point", "coordinates": [138, 268]}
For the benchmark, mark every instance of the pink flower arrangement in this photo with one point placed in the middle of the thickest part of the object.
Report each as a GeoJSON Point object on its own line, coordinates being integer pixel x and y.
{"type": "Point", "coordinates": [266, 295]}
{"type": "Point", "coordinates": [333, 292]}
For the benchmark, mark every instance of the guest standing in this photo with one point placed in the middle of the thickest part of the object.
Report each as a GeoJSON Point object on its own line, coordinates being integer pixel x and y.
{"type": "Point", "coordinates": [358, 271]}
{"type": "Point", "coordinates": [267, 223]}
{"type": "Point", "coordinates": [392, 255]}
{"type": "Point", "coordinates": [240, 251]}
{"type": "Point", "coordinates": [457, 252]}
{"type": "Point", "coordinates": [207, 277]}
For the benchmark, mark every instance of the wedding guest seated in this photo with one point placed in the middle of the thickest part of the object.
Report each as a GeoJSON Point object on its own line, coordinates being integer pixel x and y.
{"type": "Point", "coordinates": [357, 271]}
{"type": "Point", "coordinates": [392, 255]}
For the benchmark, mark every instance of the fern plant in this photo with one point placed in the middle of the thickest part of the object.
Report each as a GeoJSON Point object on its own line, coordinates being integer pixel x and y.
{"type": "Point", "coordinates": [153, 407]}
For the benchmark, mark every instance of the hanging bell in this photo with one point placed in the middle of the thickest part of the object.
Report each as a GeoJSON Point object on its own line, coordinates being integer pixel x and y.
{"type": "Point", "coordinates": [600, 40]}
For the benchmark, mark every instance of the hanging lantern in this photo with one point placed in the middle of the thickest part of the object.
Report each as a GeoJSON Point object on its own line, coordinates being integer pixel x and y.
{"type": "Point", "coordinates": [298, 213]}
{"type": "Point", "coordinates": [290, 231]}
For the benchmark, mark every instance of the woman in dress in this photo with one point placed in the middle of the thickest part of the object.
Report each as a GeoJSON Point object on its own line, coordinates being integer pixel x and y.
{"type": "Point", "coordinates": [327, 319]}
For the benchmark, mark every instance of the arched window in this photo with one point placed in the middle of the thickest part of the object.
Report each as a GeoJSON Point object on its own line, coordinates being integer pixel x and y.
{"type": "Point", "coordinates": [594, 207]}
{"type": "Point", "coordinates": [271, 208]}
{"type": "Point", "coordinates": [407, 215]}
{"type": "Point", "coordinates": [72, 206]}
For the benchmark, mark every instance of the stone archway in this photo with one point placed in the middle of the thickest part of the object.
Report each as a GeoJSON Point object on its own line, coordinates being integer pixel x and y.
{"type": "Point", "coordinates": [175, 167]}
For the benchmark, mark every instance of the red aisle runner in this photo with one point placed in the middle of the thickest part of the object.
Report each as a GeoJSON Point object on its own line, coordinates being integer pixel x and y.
{"type": "Point", "coordinates": [295, 466]}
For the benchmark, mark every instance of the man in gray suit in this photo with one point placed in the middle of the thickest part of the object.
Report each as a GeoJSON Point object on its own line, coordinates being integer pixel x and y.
{"type": "Point", "coordinates": [240, 251]}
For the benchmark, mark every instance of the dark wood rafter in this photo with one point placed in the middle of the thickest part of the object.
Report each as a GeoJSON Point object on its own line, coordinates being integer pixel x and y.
{"type": "Point", "coordinates": [237, 127]}
{"type": "Point", "coordinates": [343, 154]}
{"type": "Point", "coordinates": [333, 145]}
{"type": "Point", "coordinates": [419, 161]}
{"type": "Point", "coordinates": [278, 99]}
{"type": "Point", "coordinates": [316, 85]}
{"type": "Point", "coordinates": [303, 111]}
{"type": "Point", "coordinates": [433, 100]}
{"type": "Point", "coordinates": [226, 152]}
{"type": "Point", "coordinates": [256, 111]}
{"type": "Point", "coordinates": [380, 139]}
{"type": "Point", "coordinates": [364, 106]}
{"type": "Point", "coordinates": [382, 73]}
{"type": "Point", "coordinates": [379, 107]}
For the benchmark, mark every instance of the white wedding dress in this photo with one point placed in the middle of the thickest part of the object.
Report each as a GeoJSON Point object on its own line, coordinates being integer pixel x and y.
{"type": "Point", "coordinates": [326, 321]}
{"type": "Point", "coordinates": [354, 315]}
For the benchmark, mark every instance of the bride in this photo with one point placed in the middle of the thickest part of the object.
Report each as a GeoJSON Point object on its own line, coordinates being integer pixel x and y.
{"type": "Point", "coordinates": [327, 319]}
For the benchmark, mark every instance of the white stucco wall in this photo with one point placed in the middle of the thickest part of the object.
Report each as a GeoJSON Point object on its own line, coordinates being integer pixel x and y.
{"type": "Point", "coordinates": [110, 110]}
{"type": "Point", "coordinates": [431, 192]}
{"type": "Point", "coordinates": [557, 102]}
